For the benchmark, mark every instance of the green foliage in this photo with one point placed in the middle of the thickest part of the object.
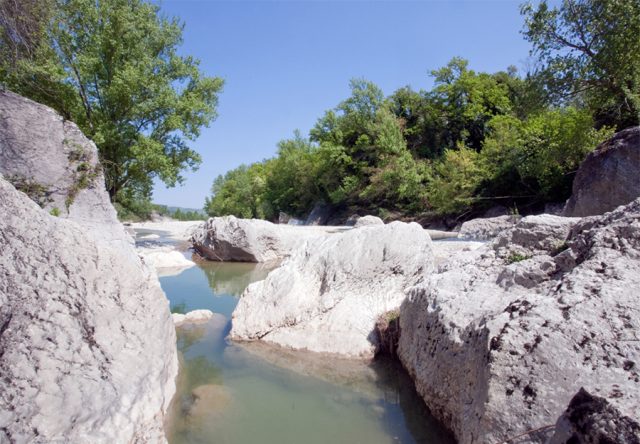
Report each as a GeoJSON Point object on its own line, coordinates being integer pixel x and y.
{"type": "Point", "coordinates": [537, 158]}
{"type": "Point", "coordinates": [180, 308]}
{"type": "Point", "coordinates": [516, 257]}
{"type": "Point", "coordinates": [456, 178]}
{"type": "Point", "coordinates": [55, 211]}
{"type": "Point", "coordinates": [178, 213]}
{"type": "Point", "coordinates": [239, 192]}
{"type": "Point", "coordinates": [112, 67]}
{"type": "Point", "coordinates": [466, 102]}
{"type": "Point", "coordinates": [37, 192]}
{"type": "Point", "coordinates": [290, 178]}
{"type": "Point", "coordinates": [590, 51]}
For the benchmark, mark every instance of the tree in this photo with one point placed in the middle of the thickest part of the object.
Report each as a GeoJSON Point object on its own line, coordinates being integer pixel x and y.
{"type": "Point", "coordinates": [112, 67]}
{"type": "Point", "coordinates": [590, 51]}
{"type": "Point", "coordinates": [22, 26]}
{"type": "Point", "coordinates": [456, 178]}
{"type": "Point", "coordinates": [535, 160]}
{"type": "Point", "coordinates": [466, 101]}
{"type": "Point", "coordinates": [240, 193]}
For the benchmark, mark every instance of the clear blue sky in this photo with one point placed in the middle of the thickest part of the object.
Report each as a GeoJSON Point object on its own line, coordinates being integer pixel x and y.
{"type": "Point", "coordinates": [286, 62]}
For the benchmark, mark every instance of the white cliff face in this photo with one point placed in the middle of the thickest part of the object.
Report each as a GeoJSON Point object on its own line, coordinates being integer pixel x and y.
{"type": "Point", "coordinates": [87, 343]}
{"type": "Point", "coordinates": [250, 240]}
{"type": "Point", "coordinates": [56, 165]}
{"type": "Point", "coordinates": [499, 340]}
{"type": "Point", "coordinates": [328, 295]}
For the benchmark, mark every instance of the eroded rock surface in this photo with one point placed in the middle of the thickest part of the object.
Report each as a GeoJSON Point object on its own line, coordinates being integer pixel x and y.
{"type": "Point", "coordinates": [591, 419]}
{"type": "Point", "coordinates": [328, 295]}
{"type": "Point", "coordinates": [87, 345]}
{"type": "Point", "coordinates": [486, 228]}
{"type": "Point", "coordinates": [249, 240]}
{"type": "Point", "coordinates": [608, 177]}
{"type": "Point", "coordinates": [500, 339]}
{"type": "Point", "coordinates": [50, 159]}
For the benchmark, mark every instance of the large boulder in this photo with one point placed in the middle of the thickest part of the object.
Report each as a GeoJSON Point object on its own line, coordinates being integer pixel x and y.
{"type": "Point", "coordinates": [328, 295]}
{"type": "Point", "coordinates": [87, 344]}
{"type": "Point", "coordinates": [500, 339]}
{"type": "Point", "coordinates": [49, 158]}
{"type": "Point", "coordinates": [608, 177]}
{"type": "Point", "coordinates": [366, 221]}
{"type": "Point", "coordinates": [249, 240]}
{"type": "Point", "coordinates": [486, 228]}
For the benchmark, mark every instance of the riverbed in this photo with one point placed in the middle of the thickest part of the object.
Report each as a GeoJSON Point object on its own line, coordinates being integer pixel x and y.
{"type": "Point", "coordinates": [248, 393]}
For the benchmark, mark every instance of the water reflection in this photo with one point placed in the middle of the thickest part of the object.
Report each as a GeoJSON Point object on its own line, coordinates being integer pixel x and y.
{"type": "Point", "coordinates": [231, 278]}
{"type": "Point", "coordinates": [248, 393]}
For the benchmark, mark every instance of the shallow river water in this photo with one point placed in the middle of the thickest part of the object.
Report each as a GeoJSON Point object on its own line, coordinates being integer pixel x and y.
{"type": "Point", "coordinates": [246, 394]}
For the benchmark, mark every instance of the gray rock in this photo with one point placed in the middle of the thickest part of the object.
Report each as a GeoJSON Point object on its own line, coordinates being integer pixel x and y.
{"type": "Point", "coordinates": [249, 240]}
{"type": "Point", "coordinates": [365, 221]}
{"type": "Point", "coordinates": [535, 234]}
{"type": "Point", "coordinates": [496, 211]}
{"type": "Point", "coordinates": [283, 218]}
{"type": "Point", "coordinates": [556, 209]}
{"type": "Point", "coordinates": [351, 220]}
{"type": "Point", "coordinates": [87, 345]}
{"type": "Point", "coordinates": [608, 177]}
{"type": "Point", "coordinates": [591, 419]}
{"type": "Point", "coordinates": [319, 215]}
{"type": "Point", "coordinates": [486, 228]}
{"type": "Point", "coordinates": [498, 343]}
{"type": "Point", "coordinates": [56, 165]}
{"type": "Point", "coordinates": [328, 295]}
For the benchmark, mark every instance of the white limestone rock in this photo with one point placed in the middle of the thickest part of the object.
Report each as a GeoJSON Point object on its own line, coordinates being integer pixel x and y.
{"type": "Point", "coordinates": [50, 158]}
{"type": "Point", "coordinates": [366, 221]}
{"type": "Point", "coordinates": [486, 228]}
{"type": "Point", "coordinates": [328, 295]}
{"type": "Point", "coordinates": [192, 317]}
{"type": "Point", "coordinates": [500, 339]}
{"type": "Point", "coordinates": [249, 240]}
{"type": "Point", "coordinates": [165, 259]}
{"type": "Point", "coordinates": [87, 346]}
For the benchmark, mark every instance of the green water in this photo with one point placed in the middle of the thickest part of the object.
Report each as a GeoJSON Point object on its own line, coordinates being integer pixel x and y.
{"type": "Point", "coordinates": [236, 394]}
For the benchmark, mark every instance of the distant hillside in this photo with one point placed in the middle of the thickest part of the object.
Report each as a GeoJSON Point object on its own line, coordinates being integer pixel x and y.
{"type": "Point", "coordinates": [180, 213]}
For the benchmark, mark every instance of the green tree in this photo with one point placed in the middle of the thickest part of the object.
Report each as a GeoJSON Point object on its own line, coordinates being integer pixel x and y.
{"type": "Point", "coordinates": [590, 50]}
{"type": "Point", "coordinates": [291, 179]}
{"type": "Point", "coordinates": [112, 67]}
{"type": "Point", "coordinates": [456, 178]}
{"type": "Point", "coordinates": [536, 160]}
{"type": "Point", "coordinates": [466, 101]}
{"type": "Point", "coordinates": [240, 193]}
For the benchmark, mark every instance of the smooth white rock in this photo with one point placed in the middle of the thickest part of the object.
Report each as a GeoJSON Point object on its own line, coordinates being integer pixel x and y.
{"type": "Point", "coordinates": [192, 317]}
{"type": "Point", "coordinates": [365, 221]}
{"type": "Point", "coordinates": [166, 260]}
{"type": "Point", "coordinates": [173, 229]}
{"type": "Point", "coordinates": [251, 240]}
{"type": "Point", "coordinates": [328, 295]}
